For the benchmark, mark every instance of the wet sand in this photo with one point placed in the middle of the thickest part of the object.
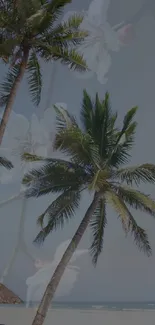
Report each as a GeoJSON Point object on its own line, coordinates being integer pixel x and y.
{"type": "Point", "coordinates": [24, 316]}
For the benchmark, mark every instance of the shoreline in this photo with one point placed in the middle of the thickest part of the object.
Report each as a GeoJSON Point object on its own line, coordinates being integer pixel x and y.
{"type": "Point", "coordinates": [63, 309]}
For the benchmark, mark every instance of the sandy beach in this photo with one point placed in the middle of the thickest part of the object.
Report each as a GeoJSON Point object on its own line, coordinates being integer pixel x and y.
{"type": "Point", "coordinates": [23, 316]}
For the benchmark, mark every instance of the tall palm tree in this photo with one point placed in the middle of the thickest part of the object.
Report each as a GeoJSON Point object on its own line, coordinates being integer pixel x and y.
{"type": "Point", "coordinates": [97, 153]}
{"type": "Point", "coordinates": [29, 31]}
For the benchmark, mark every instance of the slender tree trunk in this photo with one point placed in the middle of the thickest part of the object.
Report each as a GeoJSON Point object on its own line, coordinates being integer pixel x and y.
{"type": "Point", "coordinates": [56, 277]}
{"type": "Point", "coordinates": [12, 95]}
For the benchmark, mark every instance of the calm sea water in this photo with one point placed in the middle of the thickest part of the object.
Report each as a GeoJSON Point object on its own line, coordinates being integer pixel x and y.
{"type": "Point", "coordinates": [107, 305]}
{"type": "Point", "coordinates": [113, 306]}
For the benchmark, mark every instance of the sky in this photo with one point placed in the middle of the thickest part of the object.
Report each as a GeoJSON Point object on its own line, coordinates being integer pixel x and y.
{"type": "Point", "coordinates": [123, 273]}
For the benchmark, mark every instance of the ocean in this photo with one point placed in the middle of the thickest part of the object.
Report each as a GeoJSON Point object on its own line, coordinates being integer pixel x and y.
{"type": "Point", "coordinates": [106, 305]}
{"type": "Point", "coordinates": [111, 306]}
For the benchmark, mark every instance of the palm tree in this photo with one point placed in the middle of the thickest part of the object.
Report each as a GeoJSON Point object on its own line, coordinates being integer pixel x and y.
{"type": "Point", "coordinates": [96, 153]}
{"type": "Point", "coordinates": [28, 32]}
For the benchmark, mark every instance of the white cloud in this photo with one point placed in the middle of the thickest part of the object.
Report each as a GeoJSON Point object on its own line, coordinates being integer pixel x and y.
{"type": "Point", "coordinates": [38, 282]}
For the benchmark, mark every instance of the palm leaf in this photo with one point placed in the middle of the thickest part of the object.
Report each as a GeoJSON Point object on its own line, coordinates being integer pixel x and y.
{"type": "Point", "coordinates": [128, 222]}
{"type": "Point", "coordinates": [60, 211]}
{"type": "Point", "coordinates": [64, 119]}
{"type": "Point", "coordinates": [99, 121]}
{"type": "Point", "coordinates": [142, 173]}
{"type": "Point", "coordinates": [66, 39]}
{"type": "Point", "coordinates": [79, 146]}
{"type": "Point", "coordinates": [7, 47]}
{"type": "Point", "coordinates": [44, 18]}
{"type": "Point", "coordinates": [113, 199]}
{"type": "Point", "coordinates": [55, 5]}
{"type": "Point", "coordinates": [55, 176]}
{"type": "Point", "coordinates": [124, 140]}
{"type": "Point", "coordinates": [26, 9]}
{"type": "Point", "coordinates": [127, 122]}
{"type": "Point", "coordinates": [66, 56]}
{"type": "Point", "coordinates": [87, 112]}
{"type": "Point", "coordinates": [136, 199]}
{"type": "Point", "coordinates": [98, 224]}
{"type": "Point", "coordinates": [68, 33]}
{"type": "Point", "coordinates": [34, 78]}
{"type": "Point", "coordinates": [7, 84]}
{"type": "Point", "coordinates": [5, 163]}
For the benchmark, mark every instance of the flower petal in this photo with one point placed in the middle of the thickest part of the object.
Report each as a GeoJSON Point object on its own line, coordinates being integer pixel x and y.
{"type": "Point", "coordinates": [111, 38]}
{"type": "Point", "coordinates": [17, 126]}
{"type": "Point", "coordinates": [97, 11]}
{"type": "Point", "coordinates": [103, 66]}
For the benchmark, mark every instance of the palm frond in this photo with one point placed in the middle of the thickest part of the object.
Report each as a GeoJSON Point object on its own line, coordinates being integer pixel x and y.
{"type": "Point", "coordinates": [28, 157]}
{"type": "Point", "coordinates": [66, 56]}
{"type": "Point", "coordinates": [34, 78]}
{"type": "Point", "coordinates": [45, 17]}
{"type": "Point", "coordinates": [113, 199]}
{"type": "Point", "coordinates": [127, 122]}
{"type": "Point", "coordinates": [98, 224]}
{"type": "Point", "coordinates": [78, 145]}
{"type": "Point", "coordinates": [120, 154]}
{"type": "Point", "coordinates": [5, 163]}
{"type": "Point", "coordinates": [64, 119]}
{"type": "Point", "coordinates": [124, 140]}
{"type": "Point", "coordinates": [87, 112]}
{"type": "Point", "coordinates": [55, 5]}
{"type": "Point", "coordinates": [60, 211]}
{"type": "Point", "coordinates": [136, 199]}
{"type": "Point", "coordinates": [99, 121]}
{"type": "Point", "coordinates": [7, 46]}
{"type": "Point", "coordinates": [67, 33]}
{"type": "Point", "coordinates": [129, 224]}
{"type": "Point", "coordinates": [73, 23]}
{"type": "Point", "coordinates": [7, 84]}
{"type": "Point", "coordinates": [26, 9]}
{"type": "Point", "coordinates": [53, 177]}
{"type": "Point", "coordinates": [142, 173]}
{"type": "Point", "coordinates": [70, 38]}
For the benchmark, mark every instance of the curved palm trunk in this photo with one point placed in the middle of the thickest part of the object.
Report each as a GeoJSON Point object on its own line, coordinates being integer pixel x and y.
{"type": "Point", "coordinates": [56, 277]}
{"type": "Point", "coordinates": [12, 95]}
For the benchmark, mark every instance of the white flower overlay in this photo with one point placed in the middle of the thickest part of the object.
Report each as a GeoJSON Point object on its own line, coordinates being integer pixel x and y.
{"type": "Point", "coordinates": [37, 283]}
{"type": "Point", "coordinates": [22, 135]}
{"type": "Point", "coordinates": [103, 38]}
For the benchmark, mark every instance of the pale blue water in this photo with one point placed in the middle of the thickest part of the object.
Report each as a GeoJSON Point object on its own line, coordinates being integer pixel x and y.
{"type": "Point", "coordinates": [107, 305]}
{"type": "Point", "coordinates": [113, 306]}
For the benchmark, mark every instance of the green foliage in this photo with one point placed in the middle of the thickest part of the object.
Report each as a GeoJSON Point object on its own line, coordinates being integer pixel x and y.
{"type": "Point", "coordinates": [59, 212]}
{"type": "Point", "coordinates": [96, 154]}
{"type": "Point", "coordinates": [33, 26]}
{"type": "Point", "coordinates": [6, 85]}
{"type": "Point", "coordinates": [6, 163]}
{"type": "Point", "coordinates": [98, 224]}
{"type": "Point", "coordinates": [34, 78]}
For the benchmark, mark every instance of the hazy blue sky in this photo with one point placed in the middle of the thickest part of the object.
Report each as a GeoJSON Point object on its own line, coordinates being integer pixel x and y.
{"type": "Point", "coordinates": [123, 273]}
